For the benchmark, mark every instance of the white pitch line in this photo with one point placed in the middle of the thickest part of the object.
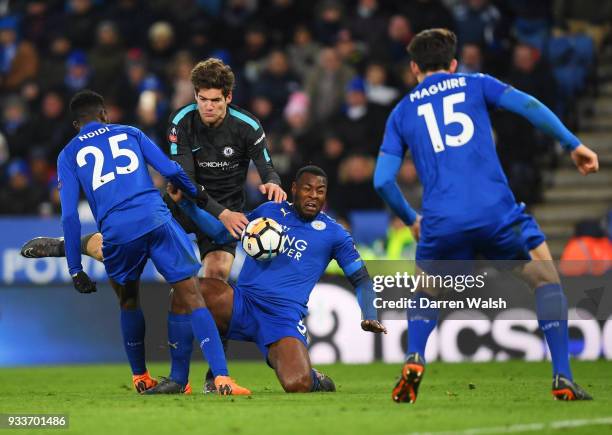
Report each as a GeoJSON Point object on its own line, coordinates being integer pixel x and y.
{"type": "Point", "coordinates": [528, 427]}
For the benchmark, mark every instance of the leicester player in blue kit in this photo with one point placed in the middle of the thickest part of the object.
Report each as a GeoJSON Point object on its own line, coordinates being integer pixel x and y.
{"type": "Point", "coordinates": [109, 162]}
{"type": "Point", "coordinates": [268, 304]}
{"type": "Point", "coordinates": [468, 208]}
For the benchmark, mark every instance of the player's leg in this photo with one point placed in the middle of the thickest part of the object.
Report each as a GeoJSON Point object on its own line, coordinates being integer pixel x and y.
{"type": "Point", "coordinates": [551, 309]}
{"type": "Point", "coordinates": [290, 360]}
{"type": "Point", "coordinates": [173, 255]}
{"type": "Point", "coordinates": [435, 256]}
{"type": "Point", "coordinates": [40, 247]}
{"type": "Point", "coordinates": [133, 333]}
{"type": "Point", "coordinates": [219, 300]}
{"type": "Point", "coordinates": [124, 264]}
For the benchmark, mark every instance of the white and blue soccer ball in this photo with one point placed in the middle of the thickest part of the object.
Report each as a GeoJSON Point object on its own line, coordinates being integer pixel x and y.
{"type": "Point", "coordinates": [262, 239]}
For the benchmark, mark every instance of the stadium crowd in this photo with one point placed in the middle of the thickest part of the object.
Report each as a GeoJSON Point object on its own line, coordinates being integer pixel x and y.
{"type": "Point", "coordinates": [321, 76]}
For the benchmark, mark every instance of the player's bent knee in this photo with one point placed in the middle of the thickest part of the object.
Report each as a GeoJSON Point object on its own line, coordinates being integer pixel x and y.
{"type": "Point", "coordinates": [94, 247]}
{"type": "Point", "coordinates": [301, 383]}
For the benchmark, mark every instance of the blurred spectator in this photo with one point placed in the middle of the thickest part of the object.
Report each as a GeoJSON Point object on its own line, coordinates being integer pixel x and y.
{"type": "Point", "coordinates": [377, 89]}
{"type": "Point", "coordinates": [107, 58]}
{"type": "Point", "coordinates": [16, 126]}
{"type": "Point", "coordinates": [18, 196]}
{"type": "Point", "coordinates": [352, 53]}
{"type": "Point", "coordinates": [480, 22]}
{"type": "Point", "coordinates": [252, 56]}
{"type": "Point", "coordinates": [18, 59]}
{"type": "Point", "coordinates": [470, 60]}
{"type": "Point", "coordinates": [520, 145]}
{"type": "Point", "coordinates": [368, 23]}
{"type": "Point", "coordinates": [79, 22]}
{"type": "Point", "coordinates": [263, 109]}
{"type": "Point", "coordinates": [325, 85]}
{"type": "Point", "coordinates": [355, 190]}
{"type": "Point", "coordinates": [400, 34]}
{"type": "Point", "coordinates": [298, 141]}
{"type": "Point", "coordinates": [361, 125]}
{"type": "Point", "coordinates": [37, 23]}
{"type": "Point", "coordinates": [53, 127]}
{"type": "Point", "coordinates": [277, 81]}
{"type": "Point", "coordinates": [592, 17]}
{"type": "Point", "coordinates": [282, 17]}
{"type": "Point", "coordinates": [161, 48]}
{"type": "Point", "coordinates": [329, 158]}
{"type": "Point", "coordinates": [41, 172]}
{"type": "Point", "coordinates": [53, 65]}
{"type": "Point", "coordinates": [426, 14]}
{"type": "Point", "coordinates": [181, 80]}
{"type": "Point", "coordinates": [131, 17]}
{"type": "Point", "coordinates": [236, 16]}
{"type": "Point", "coordinates": [78, 73]}
{"type": "Point", "coordinates": [328, 20]}
{"type": "Point", "coordinates": [151, 119]}
{"type": "Point", "coordinates": [303, 52]}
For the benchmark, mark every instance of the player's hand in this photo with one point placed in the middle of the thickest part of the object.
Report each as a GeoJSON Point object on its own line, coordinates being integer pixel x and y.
{"type": "Point", "coordinates": [173, 192]}
{"type": "Point", "coordinates": [274, 192]}
{"type": "Point", "coordinates": [83, 284]}
{"type": "Point", "coordinates": [585, 160]}
{"type": "Point", "coordinates": [373, 326]}
{"type": "Point", "coordinates": [234, 222]}
{"type": "Point", "coordinates": [415, 228]}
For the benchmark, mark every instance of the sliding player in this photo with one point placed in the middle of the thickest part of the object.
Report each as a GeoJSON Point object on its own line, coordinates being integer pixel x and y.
{"type": "Point", "coordinates": [268, 304]}
{"type": "Point", "coordinates": [468, 208]}
{"type": "Point", "coordinates": [109, 162]}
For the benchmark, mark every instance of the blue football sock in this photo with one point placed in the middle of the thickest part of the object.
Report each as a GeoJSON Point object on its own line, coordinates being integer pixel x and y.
{"type": "Point", "coordinates": [316, 385]}
{"type": "Point", "coordinates": [133, 331]}
{"type": "Point", "coordinates": [180, 341]}
{"type": "Point", "coordinates": [206, 333]}
{"type": "Point", "coordinates": [551, 306]}
{"type": "Point", "coordinates": [421, 322]}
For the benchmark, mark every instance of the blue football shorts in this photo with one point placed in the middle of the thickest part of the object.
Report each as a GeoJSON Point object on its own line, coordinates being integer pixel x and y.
{"type": "Point", "coordinates": [168, 246]}
{"type": "Point", "coordinates": [258, 321]}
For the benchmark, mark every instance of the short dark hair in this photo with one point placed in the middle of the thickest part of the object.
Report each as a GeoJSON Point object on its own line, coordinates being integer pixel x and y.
{"type": "Point", "coordinates": [433, 49]}
{"type": "Point", "coordinates": [86, 104]}
{"type": "Point", "coordinates": [310, 169]}
{"type": "Point", "coordinates": [213, 74]}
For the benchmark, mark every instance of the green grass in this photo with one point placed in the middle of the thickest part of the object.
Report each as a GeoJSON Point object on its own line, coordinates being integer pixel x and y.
{"type": "Point", "coordinates": [100, 400]}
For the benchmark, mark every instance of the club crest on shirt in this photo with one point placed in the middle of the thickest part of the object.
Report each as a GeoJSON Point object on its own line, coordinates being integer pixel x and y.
{"type": "Point", "coordinates": [318, 225]}
{"type": "Point", "coordinates": [228, 151]}
{"type": "Point", "coordinates": [172, 136]}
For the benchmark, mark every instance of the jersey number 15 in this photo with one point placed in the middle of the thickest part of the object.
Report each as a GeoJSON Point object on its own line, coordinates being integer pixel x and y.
{"type": "Point", "coordinates": [450, 117]}
{"type": "Point", "coordinates": [97, 178]}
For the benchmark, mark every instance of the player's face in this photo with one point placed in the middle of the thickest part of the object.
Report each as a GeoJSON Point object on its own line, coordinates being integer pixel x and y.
{"type": "Point", "coordinates": [309, 193]}
{"type": "Point", "coordinates": [212, 105]}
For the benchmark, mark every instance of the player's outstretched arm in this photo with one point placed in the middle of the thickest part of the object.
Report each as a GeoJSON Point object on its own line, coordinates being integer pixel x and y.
{"type": "Point", "coordinates": [545, 120]}
{"type": "Point", "coordinates": [345, 253]}
{"type": "Point", "coordinates": [68, 184]}
{"type": "Point", "coordinates": [387, 168]}
{"type": "Point", "coordinates": [210, 225]}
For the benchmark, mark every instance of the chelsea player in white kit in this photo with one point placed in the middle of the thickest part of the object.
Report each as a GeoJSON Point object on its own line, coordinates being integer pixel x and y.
{"type": "Point", "coordinates": [268, 304]}
{"type": "Point", "coordinates": [468, 208]}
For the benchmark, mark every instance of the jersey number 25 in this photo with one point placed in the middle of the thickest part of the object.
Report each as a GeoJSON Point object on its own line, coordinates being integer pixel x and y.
{"type": "Point", "coordinates": [450, 117]}
{"type": "Point", "coordinates": [98, 179]}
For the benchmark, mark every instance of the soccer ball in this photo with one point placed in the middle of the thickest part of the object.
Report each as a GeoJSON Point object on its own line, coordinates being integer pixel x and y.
{"type": "Point", "coordinates": [262, 239]}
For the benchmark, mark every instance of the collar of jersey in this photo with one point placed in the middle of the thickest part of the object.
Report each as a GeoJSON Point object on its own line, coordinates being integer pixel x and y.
{"type": "Point", "coordinates": [93, 125]}
{"type": "Point", "coordinates": [431, 78]}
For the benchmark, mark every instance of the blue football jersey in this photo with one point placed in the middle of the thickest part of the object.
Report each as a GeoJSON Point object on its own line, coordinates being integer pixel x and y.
{"type": "Point", "coordinates": [309, 246]}
{"type": "Point", "coordinates": [445, 124]}
{"type": "Point", "coordinates": [110, 164]}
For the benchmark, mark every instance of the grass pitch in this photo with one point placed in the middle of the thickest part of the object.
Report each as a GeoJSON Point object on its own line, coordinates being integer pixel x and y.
{"type": "Point", "coordinates": [490, 398]}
